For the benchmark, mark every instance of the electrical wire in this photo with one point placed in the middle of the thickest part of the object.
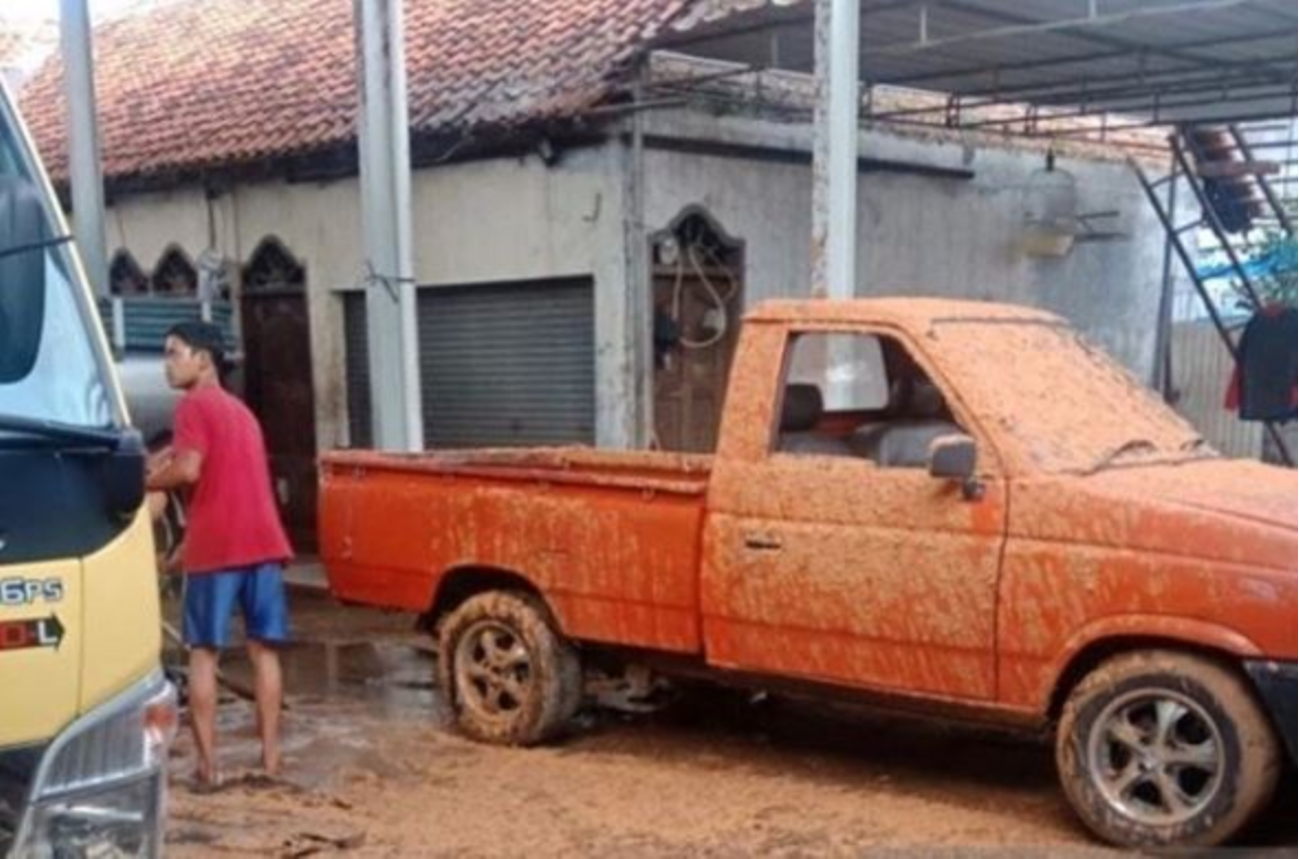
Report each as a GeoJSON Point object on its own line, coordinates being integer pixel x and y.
{"type": "Point", "coordinates": [719, 300]}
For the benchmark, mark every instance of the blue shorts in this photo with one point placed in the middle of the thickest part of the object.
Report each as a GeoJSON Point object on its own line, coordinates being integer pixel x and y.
{"type": "Point", "coordinates": [210, 600]}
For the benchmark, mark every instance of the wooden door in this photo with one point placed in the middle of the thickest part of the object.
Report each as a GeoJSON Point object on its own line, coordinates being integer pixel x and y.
{"type": "Point", "coordinates": [697, 273]}
{"type": "Point", "coordinates": [278, 388]}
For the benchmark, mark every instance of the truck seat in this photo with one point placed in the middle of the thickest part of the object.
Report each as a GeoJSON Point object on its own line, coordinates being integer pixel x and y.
{"type": "Point", "coordinates": [904, 441]}
{"type": "Point", "coordinates": [802, 412]}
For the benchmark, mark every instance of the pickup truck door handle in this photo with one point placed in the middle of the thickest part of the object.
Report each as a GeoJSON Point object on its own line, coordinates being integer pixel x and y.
{"type": "Point", "coordinates": [763, 542]}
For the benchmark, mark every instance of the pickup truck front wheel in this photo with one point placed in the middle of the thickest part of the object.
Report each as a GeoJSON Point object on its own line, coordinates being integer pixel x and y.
{"type": "Point", "coordinates": [508, 675]}
{"type": "Point", "coordinates": [1165, 749]}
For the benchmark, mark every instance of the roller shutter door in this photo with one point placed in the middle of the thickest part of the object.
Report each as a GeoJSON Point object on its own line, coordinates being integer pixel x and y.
{"type": "Point", "coordinates": [508, 364]}
{"type": "Point", "coordinates": [504, 365]}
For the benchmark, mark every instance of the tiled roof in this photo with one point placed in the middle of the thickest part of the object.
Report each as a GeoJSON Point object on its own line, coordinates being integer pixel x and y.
{"type": "Point", "coordinates": [211, 83]}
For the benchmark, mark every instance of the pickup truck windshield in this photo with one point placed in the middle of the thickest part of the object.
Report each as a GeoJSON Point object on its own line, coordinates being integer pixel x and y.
{"type": "Point", "coordinates": [49, 368]}
{"type": "Point", "coordinates": [1063, 403]}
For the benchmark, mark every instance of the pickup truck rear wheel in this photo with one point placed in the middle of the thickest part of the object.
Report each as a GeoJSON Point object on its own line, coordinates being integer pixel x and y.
{"type": "Point", "coordinates": [508, 675]}
{"type": "Point", "coordinates": [1166, 749]}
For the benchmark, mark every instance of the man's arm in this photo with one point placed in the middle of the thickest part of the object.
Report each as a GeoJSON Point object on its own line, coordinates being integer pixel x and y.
{"type": "Point", "coordinates": [181, 469]}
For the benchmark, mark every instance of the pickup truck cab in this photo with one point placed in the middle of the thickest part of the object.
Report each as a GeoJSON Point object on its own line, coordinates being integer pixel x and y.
{"type": "Point", "coordinates": [960, 507]}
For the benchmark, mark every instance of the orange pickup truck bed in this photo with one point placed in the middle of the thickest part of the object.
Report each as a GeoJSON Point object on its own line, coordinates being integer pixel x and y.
{"type": "Point", "coordinates": [612, 538]}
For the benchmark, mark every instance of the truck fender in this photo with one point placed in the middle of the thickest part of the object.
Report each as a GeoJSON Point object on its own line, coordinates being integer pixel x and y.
{"type": "Point", "coordinates": [459, 583]}
{"type": "Point", "coordinates": [1121, 633]}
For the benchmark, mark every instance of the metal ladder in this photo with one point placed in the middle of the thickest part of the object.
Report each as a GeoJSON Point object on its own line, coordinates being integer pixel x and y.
{"type": "Point", "coordinates": [1236, 199]}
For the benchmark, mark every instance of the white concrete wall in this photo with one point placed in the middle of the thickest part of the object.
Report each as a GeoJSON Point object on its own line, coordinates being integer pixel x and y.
{"type": "Point", "coordinates": [517, 219]}
{"type": "Point", "coordinates": [317, 223]}
{"type": "Point", "coordinates": [514, 219]}
{"type": "Point", "coordinates": [507, 219]}
{"type": "Point", "coordinates": [920, 235]}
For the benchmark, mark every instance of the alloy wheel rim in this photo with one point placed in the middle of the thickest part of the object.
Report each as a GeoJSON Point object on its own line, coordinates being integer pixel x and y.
{"type": "Point", "coordinates": [1156, 756]}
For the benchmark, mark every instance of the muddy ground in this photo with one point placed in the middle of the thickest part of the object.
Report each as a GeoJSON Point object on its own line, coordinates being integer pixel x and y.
{"type": "Point", "coordinates": [372, 771]}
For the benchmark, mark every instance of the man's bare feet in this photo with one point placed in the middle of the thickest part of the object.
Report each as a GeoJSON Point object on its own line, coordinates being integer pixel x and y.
{"type": "Point", "coordinates": [272, 764]}
{"type": "Point", "coordinates": [205, 782]}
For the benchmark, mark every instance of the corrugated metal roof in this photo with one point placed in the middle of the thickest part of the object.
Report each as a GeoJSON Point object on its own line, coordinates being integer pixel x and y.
{"type": "Point", "coordinates": [1157, 60]}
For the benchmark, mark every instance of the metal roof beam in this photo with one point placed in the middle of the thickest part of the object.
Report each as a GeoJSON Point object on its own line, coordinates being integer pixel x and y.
{"type": "Point", "coordinates": [792, 16]}
{"type": "Point", "coordinates": [1222, 85]}
{"type": "Point", "coordinates": [1084, 92]}
{"type": "Point", "coordinates": [1160, 111]}
{"type": "Point", "coordinates": [1074, 59]}
{"type": "Point", "coordinates": [1133, 59]}
{"type": "Point", "coordinates": [1025, 25]}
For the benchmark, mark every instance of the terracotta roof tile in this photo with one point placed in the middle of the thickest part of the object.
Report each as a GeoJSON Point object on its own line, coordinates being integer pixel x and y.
{"type": "Point", "coordinates": [206, 83]}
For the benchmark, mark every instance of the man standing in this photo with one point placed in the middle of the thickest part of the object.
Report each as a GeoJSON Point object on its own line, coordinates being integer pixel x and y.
{"type": "Point", "coordinates": [235, 546]}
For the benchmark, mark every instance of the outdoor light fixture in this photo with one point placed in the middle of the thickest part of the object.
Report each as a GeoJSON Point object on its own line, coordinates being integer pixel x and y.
{"type": "Point", "coordinates": [1052, 223]}
{"type": "Point", "coordinates": [546, 152]}
{"type": "Point", "coordinates": [1050, 212]}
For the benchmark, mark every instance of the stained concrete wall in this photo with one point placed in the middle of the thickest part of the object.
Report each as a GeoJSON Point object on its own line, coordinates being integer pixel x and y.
{"type": "Point", "coordinates": [317, 223]}
{"type": "Point", "coordinates": [516, 219]}
{"type": "Point", "coordinates": [921, 235]}
{"type": "Point", "coordinates": [508, 219]}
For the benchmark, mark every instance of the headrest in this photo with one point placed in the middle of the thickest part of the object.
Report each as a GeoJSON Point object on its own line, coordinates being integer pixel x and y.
{"type": "Point", "coordinates": [802, 409]}
{"type": "Point", "coordinates": [927, 401]}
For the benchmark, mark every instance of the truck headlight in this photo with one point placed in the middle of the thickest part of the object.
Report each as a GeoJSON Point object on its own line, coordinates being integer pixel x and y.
{"type": "Point", "coordinates": [123, 820]}
{"type": "Point", "coordinates": [101, 787]}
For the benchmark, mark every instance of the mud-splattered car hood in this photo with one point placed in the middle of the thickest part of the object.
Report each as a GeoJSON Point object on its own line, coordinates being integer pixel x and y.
{"type": "Point", "coordinates": [1242, 514]}
{"type": "Point", "coordinates": [1240, 489]}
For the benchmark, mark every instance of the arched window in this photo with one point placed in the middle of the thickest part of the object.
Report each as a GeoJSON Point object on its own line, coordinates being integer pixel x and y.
{"type": "Point", "coordinates": [696, 229]}
{"type": "Point", "coordinates": [175, 275]}
{"type": "Point", "coordinates": [698, 282]}
{"type": "Point", "coordinates": [273, 267]}
{"type": "Point", "coordinates": [125, 277]}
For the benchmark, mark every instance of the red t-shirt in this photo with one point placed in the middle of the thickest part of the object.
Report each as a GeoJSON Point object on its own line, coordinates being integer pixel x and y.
{"type": "Point", "coordinates": [232, 517]}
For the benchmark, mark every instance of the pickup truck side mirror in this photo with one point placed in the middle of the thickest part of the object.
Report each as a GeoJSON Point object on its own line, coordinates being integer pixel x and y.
{"type": "Point", "coordinates": [956, 457]}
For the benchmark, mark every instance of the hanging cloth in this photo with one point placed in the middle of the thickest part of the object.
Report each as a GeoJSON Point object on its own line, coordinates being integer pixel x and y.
{"type": "Point", "coordinates": [1264, 385]}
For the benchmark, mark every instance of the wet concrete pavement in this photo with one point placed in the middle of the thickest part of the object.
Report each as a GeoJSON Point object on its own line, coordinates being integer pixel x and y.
{"type": "Point", "coordinates": [371, 771]}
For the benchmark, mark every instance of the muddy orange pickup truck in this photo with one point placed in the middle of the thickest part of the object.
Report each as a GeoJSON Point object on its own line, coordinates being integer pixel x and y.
{"type": "Point", "coordinates": [961, 507]}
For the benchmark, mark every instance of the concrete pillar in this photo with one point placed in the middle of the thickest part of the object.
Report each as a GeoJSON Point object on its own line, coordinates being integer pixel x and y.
{"type": "Point", "coordinates": [834, 156]}
{"type": "Point", "coordinates": [85, 166]}
{"type": "Point", "coordinates": [384, 138]}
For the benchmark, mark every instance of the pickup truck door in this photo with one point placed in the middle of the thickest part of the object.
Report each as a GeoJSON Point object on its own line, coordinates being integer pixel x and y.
{"type": "Point", "coordinates": [821, 564]}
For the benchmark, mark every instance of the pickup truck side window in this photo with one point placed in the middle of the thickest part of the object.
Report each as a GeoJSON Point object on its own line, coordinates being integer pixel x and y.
{"type": "Point", "coordinates": [860, 396]}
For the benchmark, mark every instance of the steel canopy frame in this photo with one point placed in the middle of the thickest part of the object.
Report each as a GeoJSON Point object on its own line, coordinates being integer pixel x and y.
{"type": "Point", "coordinates": [1153, 61]}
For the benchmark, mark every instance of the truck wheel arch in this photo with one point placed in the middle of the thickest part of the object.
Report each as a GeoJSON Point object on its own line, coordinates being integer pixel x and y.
{"type": "Point", "coordinates": [461, 583]}
{"type": "Point", "coordinates": [1104, 639]}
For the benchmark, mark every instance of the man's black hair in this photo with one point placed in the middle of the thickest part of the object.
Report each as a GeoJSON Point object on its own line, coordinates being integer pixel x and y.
{"type": "Point", "coordinates": [203, 337]}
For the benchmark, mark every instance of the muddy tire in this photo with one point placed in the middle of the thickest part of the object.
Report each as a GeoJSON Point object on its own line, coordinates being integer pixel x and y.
{"type": "Point", "coordinates": [1163, 749]}
{"type": "Point", "coordinates": [508, 675]}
